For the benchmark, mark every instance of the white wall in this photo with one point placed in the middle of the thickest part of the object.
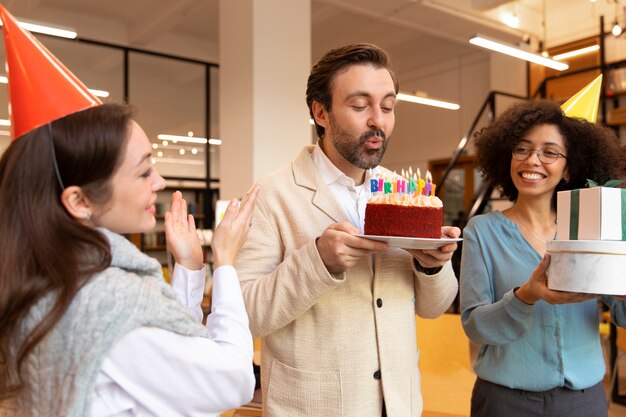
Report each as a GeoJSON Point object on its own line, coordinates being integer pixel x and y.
{"type": "Point", "coordinates": [423, 133]}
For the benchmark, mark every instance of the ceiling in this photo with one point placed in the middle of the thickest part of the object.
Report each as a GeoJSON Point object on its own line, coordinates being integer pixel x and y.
{"type": "Point", "coordinates": [417, 33]}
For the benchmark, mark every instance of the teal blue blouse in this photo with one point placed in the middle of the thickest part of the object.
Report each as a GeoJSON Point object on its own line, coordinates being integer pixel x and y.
{"type": "Point", "coordinates": [530, 347]}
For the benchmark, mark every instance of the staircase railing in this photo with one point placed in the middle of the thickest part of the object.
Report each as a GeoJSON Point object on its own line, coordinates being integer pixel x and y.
{"type": "Point", "coordinates": [481, 198]}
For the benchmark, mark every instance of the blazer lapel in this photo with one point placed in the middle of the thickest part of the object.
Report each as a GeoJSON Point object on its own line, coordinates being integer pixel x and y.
{"type": "Point", "coordinates": [306, 175]}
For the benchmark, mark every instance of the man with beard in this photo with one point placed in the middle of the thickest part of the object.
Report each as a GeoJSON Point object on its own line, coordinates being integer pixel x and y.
{"type": "Point", "coordinates": [337, 311]}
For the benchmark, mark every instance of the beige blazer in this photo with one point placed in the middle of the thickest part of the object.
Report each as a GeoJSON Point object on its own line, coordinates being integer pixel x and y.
{"type": "Point", "coordinates": [331, 348]}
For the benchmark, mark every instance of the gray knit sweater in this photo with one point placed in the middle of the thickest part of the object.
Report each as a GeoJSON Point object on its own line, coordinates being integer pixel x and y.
{"type": "Point", "coordinates": [62, 369]}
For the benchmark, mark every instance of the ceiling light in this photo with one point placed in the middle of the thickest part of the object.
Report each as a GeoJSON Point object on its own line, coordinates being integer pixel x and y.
{"type": "Point", "coordinates": [180, 161]}
{"type": "Point", "coordinates": [97, 93]}
{"type": "Point", "coordinates": [576, 52]}
{"type": "Point", "coordinates": [427, 101]}
{"type": "Point", "coordinates": [187, 139]}
{"type": "Point", "coordinates": [194, 151]}
{"type": "Point", "coordinates": [617, 29]}
{"type": "Point", "coordinates": [47, 29]}
{"type": "Point", "coordinates": [485, 42]}
{"type": "Point", "coordinates": [178, 138]}
{"type": "Point", "coordinates": [182, 151]}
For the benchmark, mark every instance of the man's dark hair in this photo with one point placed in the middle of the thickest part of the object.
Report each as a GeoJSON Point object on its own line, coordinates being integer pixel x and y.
{"type": "Point", "coordinates": [334, 61]}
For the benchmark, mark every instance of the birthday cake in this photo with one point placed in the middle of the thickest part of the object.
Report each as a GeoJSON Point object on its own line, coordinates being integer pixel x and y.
{"type": "Point", "coordinates": [403, 207]}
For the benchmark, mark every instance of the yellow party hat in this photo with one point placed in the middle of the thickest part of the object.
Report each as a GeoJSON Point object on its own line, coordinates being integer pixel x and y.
{"type": "Point", "coordinates": [584, 104]}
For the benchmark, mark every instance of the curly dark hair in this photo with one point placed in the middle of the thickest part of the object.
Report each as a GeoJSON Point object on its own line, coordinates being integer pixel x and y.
{"type": "Point", "coordinates": [592, 150]}
{"type": "Point", "coordinates": [333, 62]}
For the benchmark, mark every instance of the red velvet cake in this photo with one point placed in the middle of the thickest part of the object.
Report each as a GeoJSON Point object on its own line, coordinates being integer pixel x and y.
{"type": "Point", "coordinates": [419, 216]}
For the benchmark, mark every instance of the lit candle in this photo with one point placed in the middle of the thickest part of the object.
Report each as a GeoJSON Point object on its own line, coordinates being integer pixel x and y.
{"type": "Point", "coordinates": [412, 186]}
{"type": "Point", "coordinates": [374, 185]}
{"type": "Point", "coordinates": [429, 181]}
{"type": "Point", "coordinates": [420, 182]}
{"type": "Point", "coordinates": [432, 192]}
{"type": "Point", "coordinates": [401, 186]}
{"type": "Point", "coordinates": [387, 187]}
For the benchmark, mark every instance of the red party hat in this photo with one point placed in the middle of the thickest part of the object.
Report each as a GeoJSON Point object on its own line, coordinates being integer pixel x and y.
{"type": "Point", "coordinates": [41, 88]}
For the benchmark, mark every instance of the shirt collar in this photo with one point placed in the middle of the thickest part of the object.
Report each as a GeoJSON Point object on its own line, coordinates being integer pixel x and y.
{"type": "Point", "coordinates": [331, 174]}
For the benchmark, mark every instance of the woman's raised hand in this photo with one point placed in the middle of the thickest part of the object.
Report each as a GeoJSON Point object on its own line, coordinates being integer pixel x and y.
{"type": "Point", "coordinates": [180, 233]}
{"type": "Point", "coordinates": [232, 231]}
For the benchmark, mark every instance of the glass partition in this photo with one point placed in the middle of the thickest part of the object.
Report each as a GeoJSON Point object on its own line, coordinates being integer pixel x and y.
{"type": "Point", "coordinates": [170, 96]}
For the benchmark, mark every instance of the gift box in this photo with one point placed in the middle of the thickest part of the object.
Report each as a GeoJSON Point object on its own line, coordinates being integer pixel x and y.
{"type": "Point", "coordinates": [597, 213]}
{"type": "Point", "coordinates": [587, 266]}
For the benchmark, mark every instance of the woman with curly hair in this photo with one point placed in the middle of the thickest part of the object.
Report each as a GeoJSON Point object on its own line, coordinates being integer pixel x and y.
{"type": "Point", "coordinates": [540, 352]}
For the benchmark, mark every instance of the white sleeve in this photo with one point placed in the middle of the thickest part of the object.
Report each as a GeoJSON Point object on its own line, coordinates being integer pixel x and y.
{"type": "Point", "coordinates": [172, 374]}
{"type": "Point", "coordinates": [189, 288]}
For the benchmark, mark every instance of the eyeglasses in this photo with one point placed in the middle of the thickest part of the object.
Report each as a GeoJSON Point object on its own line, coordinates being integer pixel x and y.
{"type": "Point", "coordinates": [545, 155]}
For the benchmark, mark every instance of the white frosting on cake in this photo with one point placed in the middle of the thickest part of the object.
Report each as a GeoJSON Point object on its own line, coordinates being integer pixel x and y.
{"type": "Point", "coordinates": [406, 200]}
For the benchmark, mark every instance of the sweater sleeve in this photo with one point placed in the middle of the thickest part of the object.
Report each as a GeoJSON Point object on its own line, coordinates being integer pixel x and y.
{"type": "Point", "coordinates": [171, 374]}
{"type": "Point", "coordinates": [434, 293]}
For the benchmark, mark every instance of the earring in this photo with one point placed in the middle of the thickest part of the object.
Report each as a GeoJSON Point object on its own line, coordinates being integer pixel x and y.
{"type": "Point", "coordinates": [87, 215]}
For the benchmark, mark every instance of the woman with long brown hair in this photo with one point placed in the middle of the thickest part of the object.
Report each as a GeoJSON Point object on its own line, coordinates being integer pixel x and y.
{"type": "Point", "coordinates": [89, 326]}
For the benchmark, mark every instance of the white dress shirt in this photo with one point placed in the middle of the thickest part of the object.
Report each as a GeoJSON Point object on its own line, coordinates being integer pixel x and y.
{"type": "Point", "coordinates": [353, 198]}
{"type": "Point", "coordinates": [152, 372]}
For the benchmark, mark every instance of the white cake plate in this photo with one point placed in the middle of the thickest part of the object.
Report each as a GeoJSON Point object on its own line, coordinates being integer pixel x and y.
{"type": "Point", "coordinates": [413, 242]}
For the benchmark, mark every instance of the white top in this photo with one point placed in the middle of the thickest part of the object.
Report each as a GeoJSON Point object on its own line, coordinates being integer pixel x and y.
{"type": "Point", "coordinates": [152, 372]}
{"type": "Point", "coordinates": [352, 198]}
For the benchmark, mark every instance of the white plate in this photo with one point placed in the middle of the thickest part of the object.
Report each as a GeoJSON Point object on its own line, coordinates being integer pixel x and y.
{"type": "Point", "coordinates": [413, 242]}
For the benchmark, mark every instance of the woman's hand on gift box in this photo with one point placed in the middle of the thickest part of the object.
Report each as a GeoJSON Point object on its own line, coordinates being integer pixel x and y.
{"type": "Point", "coordinates": [536, 288]}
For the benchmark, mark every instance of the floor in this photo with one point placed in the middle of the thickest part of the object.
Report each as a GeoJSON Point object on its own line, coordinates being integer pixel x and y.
{"type": "Point", "coordinates": [615, 409]}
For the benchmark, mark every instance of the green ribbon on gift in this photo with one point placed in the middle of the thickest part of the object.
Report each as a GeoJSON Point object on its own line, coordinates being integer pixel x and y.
{"type": "Point", "coordinates": [608, 184]}
{"type": "Point", "coordinates": [573, 217]}
{"type": "Point", "coordinates": [574, 205]}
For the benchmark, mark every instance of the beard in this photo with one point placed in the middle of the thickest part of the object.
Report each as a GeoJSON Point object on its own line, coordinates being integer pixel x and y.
{"type": "Point", "coordinates": [354, 150]}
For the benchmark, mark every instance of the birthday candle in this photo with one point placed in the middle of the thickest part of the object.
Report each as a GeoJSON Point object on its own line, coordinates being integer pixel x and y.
{"type": "Point", "coordinates": [401, 186]}
{"type": "Point", "coordinates": [429, 181]}
{"type": "Point", "coordinates": [373, 185]}
{"type": "Point", "coordinates": [432, 191]}
{"type": "Point", "coordinates": [387, 187]}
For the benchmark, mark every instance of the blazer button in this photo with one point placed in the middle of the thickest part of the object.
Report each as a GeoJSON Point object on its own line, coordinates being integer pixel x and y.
{"type": "Point", "coordinates": [379, 302]}
{"type": "Point", "coordinates": [377, 374]}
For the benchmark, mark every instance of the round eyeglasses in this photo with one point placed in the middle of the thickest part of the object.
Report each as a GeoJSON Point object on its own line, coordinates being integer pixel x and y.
{"type": "Point", "coordinates": [545, 155]}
